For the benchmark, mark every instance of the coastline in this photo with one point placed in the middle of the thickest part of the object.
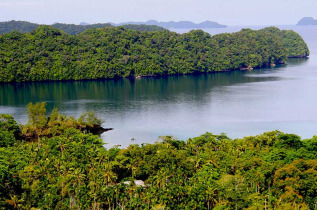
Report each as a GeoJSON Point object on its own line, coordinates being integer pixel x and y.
{"type": "Point", "coordinates": [250, 68]}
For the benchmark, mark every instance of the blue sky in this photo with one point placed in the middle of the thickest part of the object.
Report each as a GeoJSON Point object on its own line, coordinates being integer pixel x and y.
{"type": "Point", "coordinates": [230, 12]}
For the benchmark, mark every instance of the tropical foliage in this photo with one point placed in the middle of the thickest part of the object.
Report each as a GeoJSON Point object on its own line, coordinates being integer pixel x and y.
{"type": "Point", "coordinates": [142, 27]}
{"type": "Point", "coordinates": [48, 53]}
{"type": "Point", "coordinates": [293, 42]}
{"type": "Point", "coordinates": [65, 166]}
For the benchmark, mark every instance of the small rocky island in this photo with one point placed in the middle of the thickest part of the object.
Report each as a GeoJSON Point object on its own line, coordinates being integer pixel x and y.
{"type": "Point", "coordinates": [307, 21]}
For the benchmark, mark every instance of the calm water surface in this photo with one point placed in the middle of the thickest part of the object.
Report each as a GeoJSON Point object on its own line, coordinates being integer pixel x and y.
{"type": "Point", "coordinates": [237, 103]}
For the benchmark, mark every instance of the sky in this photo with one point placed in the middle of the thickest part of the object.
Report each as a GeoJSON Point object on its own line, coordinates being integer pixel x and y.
{"type": "Point", "coordinates": [229, 12]}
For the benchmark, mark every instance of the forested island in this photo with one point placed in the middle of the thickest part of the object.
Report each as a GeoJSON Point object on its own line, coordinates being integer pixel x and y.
{"type": "Point", "coordinates": [56, 162]}
{"type": "Point", "coordinates": [72, 29]}
{"type": "Point", "coordinates": [48, 54]}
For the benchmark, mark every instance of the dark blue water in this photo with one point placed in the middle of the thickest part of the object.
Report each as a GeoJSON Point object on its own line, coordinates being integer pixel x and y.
{"type": "Point", "coordinates": [237, 103]}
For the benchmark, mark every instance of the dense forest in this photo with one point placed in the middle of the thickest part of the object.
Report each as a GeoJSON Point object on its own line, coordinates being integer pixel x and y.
{"type": "Point", "coordinates": [48, 53]}
{"type": "Point", "coordinates": [72, 29]}
{"type": "Point", "coordinates": [56, 162]}
{"type": "Point", "coordinates": [142, 27]}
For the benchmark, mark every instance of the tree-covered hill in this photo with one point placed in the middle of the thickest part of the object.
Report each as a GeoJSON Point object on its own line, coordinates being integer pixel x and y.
{"type": "Point", "coordinates": [293, 42]}
{"type": "Point", "coordinates": [56, 162]}
{"type": "Point", "coordinates": [26, 27]}
{"type": "Point", "coordinates": [21, 26]}
{"type": "Point", "coordinates": [72, 29]}
{"type": "Point", "coordinates": [48, 53]}
{"type": "Point", "coordinates": [142, 27]}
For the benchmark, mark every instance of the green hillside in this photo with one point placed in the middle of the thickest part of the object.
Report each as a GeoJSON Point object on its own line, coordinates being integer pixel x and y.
{"type": "Point", "coordinates": [48, 53]}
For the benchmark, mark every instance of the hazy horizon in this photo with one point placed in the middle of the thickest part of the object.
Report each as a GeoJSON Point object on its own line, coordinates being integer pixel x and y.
{"type": "Point", "coordinates": [229, 12]}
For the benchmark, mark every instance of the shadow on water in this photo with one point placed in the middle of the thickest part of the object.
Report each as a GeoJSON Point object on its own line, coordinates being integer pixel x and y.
{"type": "Point", "coordinates": [239, 103]}
{"type": "Point", "coordinates": [297, 61]}
{"type": "Point", "coordinates": [99, 91]}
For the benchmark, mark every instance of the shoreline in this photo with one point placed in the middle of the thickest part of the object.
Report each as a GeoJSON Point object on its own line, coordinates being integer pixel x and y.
{"type": "Point", "coordinates": [163, 76]}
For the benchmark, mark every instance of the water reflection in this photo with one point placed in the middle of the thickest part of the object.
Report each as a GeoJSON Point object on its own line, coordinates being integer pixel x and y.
{"type": "Point", "coordinates": [157, 89]}
{"type": "Point", "coordinates": [297, 61]}
{"type": "Point", "coordinates": [239, 103]}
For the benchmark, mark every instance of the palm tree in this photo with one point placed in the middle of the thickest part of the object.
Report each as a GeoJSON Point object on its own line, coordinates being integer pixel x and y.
{"type": "Point", "coordinates": [15, 202]}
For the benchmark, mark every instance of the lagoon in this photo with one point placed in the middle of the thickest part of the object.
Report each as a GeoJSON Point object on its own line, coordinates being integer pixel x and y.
{"type": "Point", "coordinates": [239, 103]}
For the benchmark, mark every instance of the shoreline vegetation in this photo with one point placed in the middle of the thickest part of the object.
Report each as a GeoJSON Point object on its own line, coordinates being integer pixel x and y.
{"type": "Point", "coordinates": [49, 54]}
{"type": "Point", "coordinates": [65, 166]}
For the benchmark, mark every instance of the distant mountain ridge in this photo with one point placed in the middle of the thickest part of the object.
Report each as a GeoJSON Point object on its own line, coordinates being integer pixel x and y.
{"type": "Point", "coordinates": [307, 21]}
{"type": "Point", "coordinates": [84, 24]}
{"type": "Point", "coordinates": [72, 29]}
{"type": "Point", "coordinates": [180, 24]}
{"type": "Point", "coordinates": [25, 27]}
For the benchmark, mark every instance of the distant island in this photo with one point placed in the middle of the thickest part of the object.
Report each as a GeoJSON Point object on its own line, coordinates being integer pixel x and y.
{"type": "Point", "coordinates": [48, 53]}
{"type": "Point", "coordinates": [71, 29]}
{"type": "Point", "coordinates": [307, 21]}
{"type": "Point", "coordinates": [180, 24]}
{"type": "Point", "coordinates": [84, 24]}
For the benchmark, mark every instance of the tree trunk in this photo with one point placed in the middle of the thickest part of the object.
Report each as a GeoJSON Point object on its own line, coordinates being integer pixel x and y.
{"type": "Point", "coordinates": [38, 140]}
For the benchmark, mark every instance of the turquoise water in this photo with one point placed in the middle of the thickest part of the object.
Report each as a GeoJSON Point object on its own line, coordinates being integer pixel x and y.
{"type": "Point", "coordinates": [238, 103]}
